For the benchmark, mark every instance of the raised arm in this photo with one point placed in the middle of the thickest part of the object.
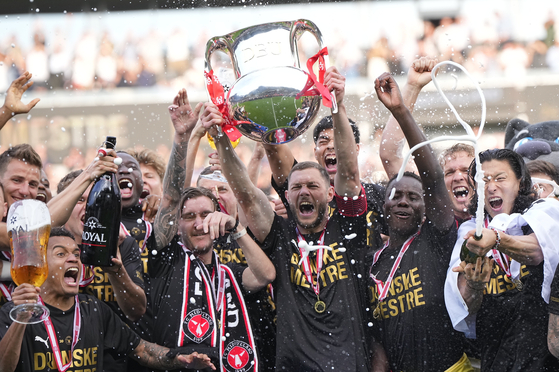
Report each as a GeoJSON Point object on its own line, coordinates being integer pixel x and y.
{"type": "Point", "coordinates": [184, 119]}
{"type": "Point", "coordinates": [131, 298]}
{"type": "Point", "coordinates": [254, 203]}
{"type": "Point", "coordinates": [281, 161]}
{"type": "Point", "coordinates": [392, 140]}
{"type": "Point", "coordinates": [61, 206]}
{"type": "Point", "coordinates": [193, 145]}
{"type": "Point", "coordinates": [12, 104]}
{"type": "Point", "coordinates": [346, 181]}
{"type": "Point", "coordinates": [260, 271]}
{"type": "Point", "coordinates": [438, 206]}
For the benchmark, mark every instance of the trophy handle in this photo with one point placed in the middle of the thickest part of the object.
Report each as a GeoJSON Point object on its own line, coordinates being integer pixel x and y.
{"type": "Point", "coordinates": [299, 27]}
{"type": "Point", "coordinates": [219, 43]}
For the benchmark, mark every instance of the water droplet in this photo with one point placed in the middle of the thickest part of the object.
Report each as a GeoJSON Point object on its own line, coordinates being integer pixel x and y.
{"type": "Point", "coordinates": [139, 220]}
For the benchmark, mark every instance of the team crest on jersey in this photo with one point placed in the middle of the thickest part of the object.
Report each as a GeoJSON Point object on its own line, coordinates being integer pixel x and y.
{"type": "Point", "coordinates": [198, 325]}
{"type": "Point", "coordinates": [240, 357]}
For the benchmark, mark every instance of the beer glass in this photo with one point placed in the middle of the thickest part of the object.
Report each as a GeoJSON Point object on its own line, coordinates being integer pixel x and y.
{"type": "Point", "coordinates": [29, 230]}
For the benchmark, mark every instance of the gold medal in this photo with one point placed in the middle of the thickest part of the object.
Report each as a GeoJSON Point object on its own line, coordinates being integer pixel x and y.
{"type": "Point", "coordinates": [376, 312]}
{"type": "Point", "coordinates": [519, 285]}
{"type": "Point", "coordinates": [320, 306]}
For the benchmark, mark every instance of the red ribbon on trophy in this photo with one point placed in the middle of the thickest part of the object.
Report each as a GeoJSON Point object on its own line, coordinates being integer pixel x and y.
{"type": "Point", "coordinates": [217, 95]}
{"type": "Point", "coordinates": [318, 83]}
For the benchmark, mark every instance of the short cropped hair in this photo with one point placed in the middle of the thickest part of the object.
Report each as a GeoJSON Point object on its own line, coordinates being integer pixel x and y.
{"type": "Point", "coordinates": [23, 152]}
{"type": "Point", "coordinates": [196, 192]}
{"type": "Point", "coordinates": [327, 123]}
{"type": "Point", "coordinates": [308, 165]}
{"type": "Point", "coordinates": [67, 180]}
{"type": "Point", "coordinates": [388, 190]}
{"type": "Point", "coordinates": [61, 231]}
{"type": "Point", "coordinates": [543, 167]}
{"type": "Point", "coordinates": [453, 150]}
{"type": "Point", "coordinates": [150, 158]}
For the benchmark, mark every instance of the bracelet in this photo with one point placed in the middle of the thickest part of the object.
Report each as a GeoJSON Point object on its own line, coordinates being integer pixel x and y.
{"type": "Point", "coordinates": [237, 235]}
{"type": "Point", "coordinates": [234, 227]}
{"type": "Point", "coordinates": [497, 238]}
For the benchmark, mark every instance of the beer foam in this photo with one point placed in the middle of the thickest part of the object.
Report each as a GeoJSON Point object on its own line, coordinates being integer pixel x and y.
{"type": "Point", "coordinates": [28, 215]}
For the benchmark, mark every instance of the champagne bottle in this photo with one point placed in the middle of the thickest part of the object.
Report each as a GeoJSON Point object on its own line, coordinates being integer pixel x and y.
{"type": "Point", "coordinates": [467, 255]}
{"type": "Point", "coordinates": [102, 219]}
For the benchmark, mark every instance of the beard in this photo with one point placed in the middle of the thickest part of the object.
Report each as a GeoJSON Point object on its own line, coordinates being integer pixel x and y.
{"type": "Point", "coordinates": [321, 212]}
{"type": "Point", "coordinates": [197, 250]}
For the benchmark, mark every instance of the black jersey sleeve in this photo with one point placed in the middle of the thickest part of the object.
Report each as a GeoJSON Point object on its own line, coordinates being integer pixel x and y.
{"type": "Point", "coordinates": [160, 262]}
{"type": "Point", "coordinates": [130, 254]}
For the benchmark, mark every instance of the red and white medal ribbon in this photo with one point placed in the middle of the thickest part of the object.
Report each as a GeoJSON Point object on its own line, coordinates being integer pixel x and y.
{"type": "Point", "coordinates": [306, 261]}
{"type": "Point", "coordinates": [53, 338]}
{"type": "Point", "coordinates": [6, 291]}
{"type": "Point", "coordinates": [500, 258]}
{"type": "Point", "coordinates": [382, 288]}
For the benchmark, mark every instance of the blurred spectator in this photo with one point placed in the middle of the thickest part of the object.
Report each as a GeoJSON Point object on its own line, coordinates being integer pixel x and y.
{"type": "Point", "coordinates": [83, 67]}
{"type": "Point", "coordinates": [178, 53]}
{"type": "Point", "coordinates": [59, 61]}
{"type": "Point", "coordinates": [37, 62]}
{"type": "Point", "coordinates": [106, 70]}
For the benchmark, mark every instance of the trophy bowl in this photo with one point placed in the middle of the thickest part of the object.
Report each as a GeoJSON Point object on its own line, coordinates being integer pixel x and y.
{"type": "Point", "coordinates": [264, 107]}
{"type": "Point", "coordinates": [262, 102]}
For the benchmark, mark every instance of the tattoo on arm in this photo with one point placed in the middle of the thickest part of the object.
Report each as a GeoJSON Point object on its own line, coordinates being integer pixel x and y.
{"type": "Point", "coordinates": [165, 226]}
{"type": "Point", "coordinates": [154, 356]}
{"type": "Point", "coordinates": [553, 334]}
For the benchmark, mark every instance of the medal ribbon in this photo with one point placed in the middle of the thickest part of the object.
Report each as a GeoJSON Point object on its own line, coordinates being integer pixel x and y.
{"type": "Point", "coordinates": [307, 264]}
{"type": "Point", "coordinates": [502, 259]}
{"type": "Point", "coordinates": [6, 291]}
{"type": "Point", "coordinates": [217, 95]}
{"type": "Point", "coordinates": [318, 83]}
{"type": "Point", "coordinates": [382, 288]}
{"type": "Point", "coordinates": [54, 339]}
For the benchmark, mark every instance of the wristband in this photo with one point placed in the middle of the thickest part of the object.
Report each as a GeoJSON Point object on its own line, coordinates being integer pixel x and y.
{"type": "Point", "coordinates": [234, 227]}
{"type": "Point", "coordinates": [497, 238]}
{"type": "Point", "coordinates": [239, 234]}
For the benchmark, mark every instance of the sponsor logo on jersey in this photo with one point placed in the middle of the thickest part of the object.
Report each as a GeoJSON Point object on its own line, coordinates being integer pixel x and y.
{"type": "Point", "coordinates": [240, 357]}
{"type": "Point", "coordinates": [40, 339]}
{"type": "Point", "coordinates": [198, 325]}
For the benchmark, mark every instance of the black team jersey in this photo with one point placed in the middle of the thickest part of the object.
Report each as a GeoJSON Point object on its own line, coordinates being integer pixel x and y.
{"type": "Point", "coordinates": [261, 308]}
{"type": "Point", "coordinates": [414, 327]}
{"type": "Point", "coordinates": [166, 268]}
{"type": "Point", "coordinates": [101, 330]}
{"type": "Point", "coordinates": [511, 324]}
{"type": "Point", "coordinates": [101, 288]}
{"type": "Point", "coordinates": [334, 340]}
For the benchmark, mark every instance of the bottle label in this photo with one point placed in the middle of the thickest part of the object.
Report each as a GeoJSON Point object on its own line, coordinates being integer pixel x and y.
{"type": "Point", "coordinates": [91, 233]}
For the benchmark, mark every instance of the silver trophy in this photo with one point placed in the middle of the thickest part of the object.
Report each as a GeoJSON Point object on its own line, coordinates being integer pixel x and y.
{"type": "Point", "coordinates": [262, 102]}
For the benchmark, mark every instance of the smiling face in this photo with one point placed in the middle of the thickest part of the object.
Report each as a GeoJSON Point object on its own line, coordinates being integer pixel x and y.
{"type": "Point", "coordinates": [63, 259]}
{"type": "Point", "coordinates": [404, 212]}
{"type": "Point", "coordinates": [222, 191]}
{"type": "Point", "coordinates": [77, 218]}
{"type": "Point", "coordinates": [308, 195]}
{"type": "Point", "coordinates": [152, 181]}
{"type": "Point", "coordinates": [501, 187]}
{"type": "Point", "coordinates": [129, 178]}
{"type": "Point", "coordinates": [193, 213]}
{"type": "Point", "coordinates": [456, 182]}
{"type": "Point", "coordinates": [44, 194]}
{"type": "Point", "coordinates": [20, 181]}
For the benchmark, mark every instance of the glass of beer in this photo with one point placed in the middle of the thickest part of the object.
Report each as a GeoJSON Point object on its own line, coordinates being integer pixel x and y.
{"type": "Point", "coordinates": [29, 230]}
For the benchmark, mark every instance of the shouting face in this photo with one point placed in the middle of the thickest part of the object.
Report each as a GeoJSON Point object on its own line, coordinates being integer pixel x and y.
{"type": "Point", "coordinates": [501, 187]}
{"type": "Point", "coordinates": [130, 180]}
{"type": "Point", "coordinates": [308, 194]}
